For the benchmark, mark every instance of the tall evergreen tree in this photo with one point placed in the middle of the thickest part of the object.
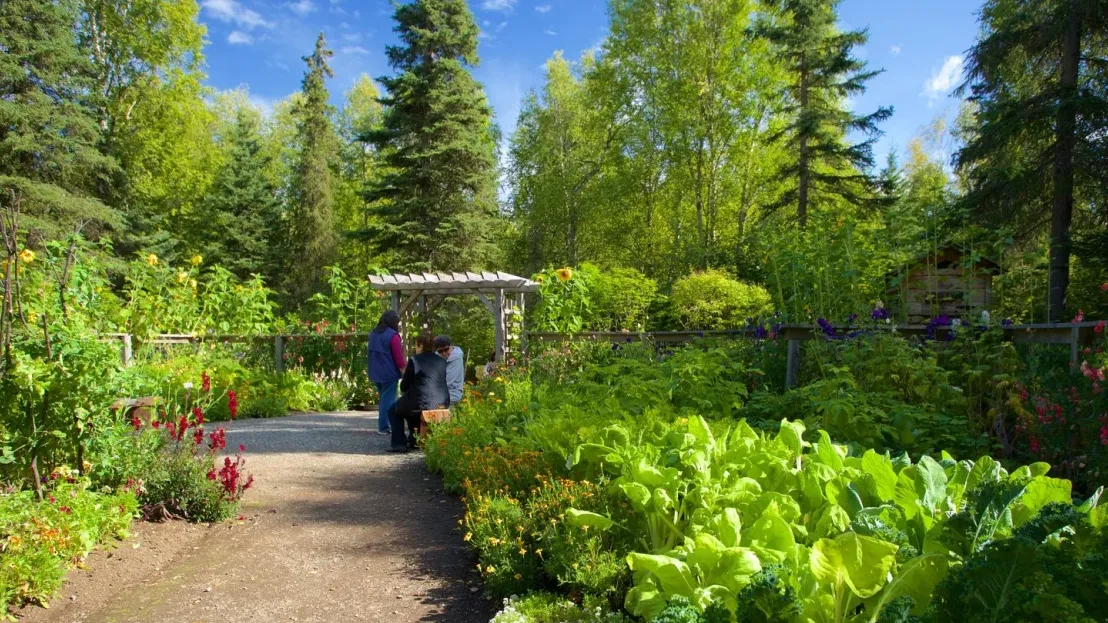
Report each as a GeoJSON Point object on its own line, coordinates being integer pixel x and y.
{"type": "Point", "coordinates": [436, 200]}
{"type": "Point", "coordinates": [1037, 76]}
{"type": "Point", "coordinates": [241, 212]}
{"type": "Point", "coordinates": [313, 239]}
{"type": "Point", "coordinates": [823, 74]}
{"type": "Point", "coordinates": [48, 132]}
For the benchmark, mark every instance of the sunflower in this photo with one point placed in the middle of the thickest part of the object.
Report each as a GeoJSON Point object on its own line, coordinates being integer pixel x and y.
{"type": "Point", "coordinates": [564, 274]}
{"type": "Point", "coordinates": [26, 256]}
{"type": "Point", "coordinates": [152, 259]}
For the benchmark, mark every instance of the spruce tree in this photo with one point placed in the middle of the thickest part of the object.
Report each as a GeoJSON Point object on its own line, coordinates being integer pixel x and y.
{"type": "Point", "coordinates": [1037, 78]}
{"type": "Point", "coordinates": [823, 73]}
{"type": "Point", "coordinates": [48, 133]}
{"type": "Point", "coordinates": [312, 237]}
{"type": "Point", "coordinates": [241, 211]}
{"type": "Point", "coordinates": [436, 200]}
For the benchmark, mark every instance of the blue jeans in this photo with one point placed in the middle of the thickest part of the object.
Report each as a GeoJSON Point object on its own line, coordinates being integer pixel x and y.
{"type": "Point", "coordinates": [388, 398]}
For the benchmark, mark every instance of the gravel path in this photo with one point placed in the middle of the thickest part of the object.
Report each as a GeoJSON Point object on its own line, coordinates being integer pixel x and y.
{"type": "Point", "coordinates": [334, 530]}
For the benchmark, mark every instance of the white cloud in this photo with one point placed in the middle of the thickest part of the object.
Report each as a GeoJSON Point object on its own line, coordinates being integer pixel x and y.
{"type": "Point", "coordinates": [237, 37]}
{"type": "Point", "coordinates": [352, 37]}
{"type": "Point", "coordinates": [232, 11]}
{"type": "Point", "coordinates": [354, 49]}
{"type": "Point", "coordinates": [498, 5]}
{"type": "Point", "coordinates": [501, 26]}
{"type": "Point", "coordinates": [302, 7]}
{"type": "Point", "coordinates": [543, 8]}
{"type": "Point", "coordinates": [895, 50]}
{"type": "Point", "coordinates": [945, 79]}
{"type": "Point", "coordinates": [550, 32]}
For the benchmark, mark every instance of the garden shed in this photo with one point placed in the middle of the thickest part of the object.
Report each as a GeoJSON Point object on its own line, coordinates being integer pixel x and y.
{"type": "Point", "coordinates": [952, 281]}
{"type": "Point", "coordinates": [418, 294]}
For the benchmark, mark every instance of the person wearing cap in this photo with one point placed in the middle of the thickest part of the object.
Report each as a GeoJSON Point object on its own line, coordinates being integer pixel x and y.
{"type": "Point", "coordinates": [455, 366]}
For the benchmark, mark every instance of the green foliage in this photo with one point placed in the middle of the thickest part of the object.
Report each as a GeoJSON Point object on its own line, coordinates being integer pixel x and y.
{"type": "Point", "coordinates": [312, 236]}
{"type": "Point", "coordinates": [564, 303]}
{"type": "Point", "coordinates": [436, 199]}
{"type": "Point", "coordinates": [242, 218]}
{"type": "Point", "coordinates": [49, 162]}
{"type": "Point", "coordinates": [822, 74]}
{"type": "Point", "coordinates": [550, 608]}
{"type": "Point", "coordinates": [43, 539]}
{"type": "Point", "coordinates": [712, 300]}
{"type": "Point", "coordinates": [618, 298]}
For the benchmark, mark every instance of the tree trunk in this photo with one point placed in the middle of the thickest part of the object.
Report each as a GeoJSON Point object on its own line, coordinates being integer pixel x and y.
{"type": "Point", "coordinates": [1065, 139]}
{"type": "Point", "coordinates": [803, 164]}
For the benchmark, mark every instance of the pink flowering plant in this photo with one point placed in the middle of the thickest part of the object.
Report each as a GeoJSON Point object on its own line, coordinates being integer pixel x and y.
{"type": "Point", "coordinates": [191, 477]}
{"type": "Point", "coordinates": [1066, 423]}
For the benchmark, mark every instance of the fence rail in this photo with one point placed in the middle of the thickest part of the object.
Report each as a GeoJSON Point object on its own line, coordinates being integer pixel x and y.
{"type": "Point", "coordinates": [1073, 334]}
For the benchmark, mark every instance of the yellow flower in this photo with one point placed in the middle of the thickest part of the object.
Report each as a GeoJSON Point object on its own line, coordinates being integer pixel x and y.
{"type": "Point", "coordinates": [182, 277]}
{"type": "Point", "coordinates": [538, 552]}
{"type": "Point", "coordinates": [522, 552]}
{"type": "Point", "coordinates": [152, 259]}
{"type": "Point", "coordinates": [468, 536]}
{"type": "Point", "coordinates": [26, 256]}
{"type": "Point", "coordinates": [197, 260]}
{"type": "Point", "coordinates": [192, 283]}
{"type": "Point", "coordinates": [564, 274]}
{"type": "Point", "coordinates": [490, 569]}
{"type": "Point", "coordinates": [519, 577]}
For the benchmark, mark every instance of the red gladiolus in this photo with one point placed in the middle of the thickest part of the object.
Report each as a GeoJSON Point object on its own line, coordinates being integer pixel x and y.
{"type": "Point", "coordinates": [1080, 317]}
{"type": "Point", "coordinates": [198, 436]}
{"type": "Point", "coordinates": [242, 447]}
{"type": "Point", "coordinates": [198, 416]}
{"type": "Point", "coordinates": [1099, 328]}
{"type": "Point", "coordinates": [205, 381]}
{"type": "Point", "coordinates": [233, 403]}
{"type": "Point", "coordinates": [136, 422]}
{"type": "Point", "coordinates": [156, 424]}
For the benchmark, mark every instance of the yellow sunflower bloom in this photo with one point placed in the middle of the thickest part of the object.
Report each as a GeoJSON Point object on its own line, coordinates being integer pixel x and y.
{"type": "Point", "coordinates": [564, 274]}
{"type": "Point", "coordinates": [26, 256]}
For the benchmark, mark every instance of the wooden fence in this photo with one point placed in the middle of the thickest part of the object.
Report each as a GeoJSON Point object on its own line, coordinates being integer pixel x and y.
{"type": "Point", "coordinates": [1075, 335]}
{"type": "Point", "coordinates": [1072, 334]}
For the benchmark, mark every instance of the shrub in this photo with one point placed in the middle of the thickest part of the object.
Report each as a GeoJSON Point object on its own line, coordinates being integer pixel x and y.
{"type": "Point", "coordinates": [619, 298]}
{"type": "Point", "coordinates": [41, 540]}
{"type": "Point", "coordinates": [264, 407]}
{"type": "Point", "coordinates": [550, 608]}
{"type": "Point", "coordinates": [711, 300]}
{"type": "Point", "coordinates": [564, 305]}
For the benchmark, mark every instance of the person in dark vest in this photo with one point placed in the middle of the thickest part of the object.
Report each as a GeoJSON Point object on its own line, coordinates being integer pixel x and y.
{"type": "Point", "coordinates": [385, 365]}
{"type": "Point", "coordinates": [424, 389]}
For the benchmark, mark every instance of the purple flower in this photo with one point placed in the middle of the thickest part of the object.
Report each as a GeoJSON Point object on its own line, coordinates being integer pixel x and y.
{"type": "Point", "coordinates": [851, 318]}
{"type": "Point", "coordinates": [828, 328]}
{"type": "Point", "coordinates": [879, 313]}
{"type": "Point", "coordinates": [1007, 322]}
{"type": "Point", "coordinates": [760, 333]}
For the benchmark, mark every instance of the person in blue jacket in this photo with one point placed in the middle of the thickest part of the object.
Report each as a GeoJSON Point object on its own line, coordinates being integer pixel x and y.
{"type": "Point", "coordinates": [386, 365]}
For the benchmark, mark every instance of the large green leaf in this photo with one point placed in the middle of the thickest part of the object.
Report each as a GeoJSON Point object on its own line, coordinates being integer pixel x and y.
{"type": "Point", "coordinates": [1042, 490]}
{"type": "Point", "coordinates": [579, 518]}
{"type": "Point", "coordinates": [861, 563]}
{"type": "Point", "coordinates": [827, 454]}
{"type": "Point", "coordinates": [880, 468]}
{"type": "Point", "coordinates": [917, 579]}
{"type": "Point", "coordinates": [674, 576]}
{"type": "Point", "coordinates": [699, 429]}
{"type": "Point", "coordinates": [791, 435]}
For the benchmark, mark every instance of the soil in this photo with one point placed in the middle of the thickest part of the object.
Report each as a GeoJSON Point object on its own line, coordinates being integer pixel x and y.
{"type": "Point", "coordinates": [335, 529]}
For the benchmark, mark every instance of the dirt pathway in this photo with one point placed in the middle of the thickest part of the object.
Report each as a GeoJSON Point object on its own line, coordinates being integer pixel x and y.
{"type": "Point", "coordinates": [335, 530]}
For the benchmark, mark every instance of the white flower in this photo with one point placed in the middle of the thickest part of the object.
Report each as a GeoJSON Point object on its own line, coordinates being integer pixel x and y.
{"type": "Point", "coordinates": [985, 317]}
{"type": "Point", "coordinates": [188, 385]}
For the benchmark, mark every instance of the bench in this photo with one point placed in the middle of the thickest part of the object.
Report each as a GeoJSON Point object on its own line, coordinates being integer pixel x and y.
{"type": "Point", "coordinates": [432, 416]}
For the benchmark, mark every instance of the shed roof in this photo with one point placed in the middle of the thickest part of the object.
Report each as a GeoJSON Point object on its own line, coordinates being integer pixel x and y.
{"type": "Point", "coordinates": [452, 283]}
{"type": "Point", "coordinates": [948, 253]}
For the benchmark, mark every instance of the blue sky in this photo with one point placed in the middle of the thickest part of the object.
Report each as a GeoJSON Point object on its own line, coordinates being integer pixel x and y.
{"type": "Point", "coordinates": [259, 44]}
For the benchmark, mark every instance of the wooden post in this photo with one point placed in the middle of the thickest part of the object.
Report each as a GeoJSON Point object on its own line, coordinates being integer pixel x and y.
{"type": "Point", "coordinates": [279, 353]}
{"type": "Point", "coordinates": [522, 328]}
{"type": "Point", "coordinates": [1075, 347]}
{"type": "Point", "coordinates": [423, 320]}
{"type": "Point", "coordinates": [792, 364]}
{"type": "Point", "coordinates": [127, 352]}
{"type": "Point", "coordinates": [498, 320]}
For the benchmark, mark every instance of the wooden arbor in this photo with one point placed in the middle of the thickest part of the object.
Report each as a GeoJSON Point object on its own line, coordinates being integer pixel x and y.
{"type": "Point", "coordinates": [421, 293]}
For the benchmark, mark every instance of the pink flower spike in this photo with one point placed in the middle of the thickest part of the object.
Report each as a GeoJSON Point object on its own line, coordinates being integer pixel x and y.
{"type": "Point", "coordinates": [242, 447]}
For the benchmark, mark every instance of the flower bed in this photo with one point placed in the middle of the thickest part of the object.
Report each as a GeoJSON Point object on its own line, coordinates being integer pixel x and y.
{"type": "Point", "coordinates": [613, 490]}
